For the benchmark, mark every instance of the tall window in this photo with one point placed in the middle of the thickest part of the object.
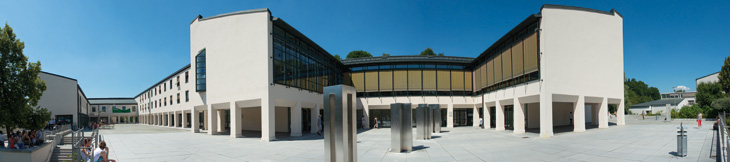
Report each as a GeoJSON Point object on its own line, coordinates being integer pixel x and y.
{"type": "Point", "coordinates": [178, 98]}
{"type": "Point", "coordinates": [134, 108]}
{"type": "Point", "coordinates": [170, 99]}
{"type": "Point", "coordinates": [165, 103]}
{"type": "Point", "coordinates": [187, 96]}
{"type": "Point", "coordinates": [200, 71]}
{"type": "Point", "coordinates": [186, 77]}
{"type": "Point", "coordinates": [178, 81]}
{"type": "Point", "coordinates": [164, 86]}
{"type": "Point", "coordinates": [171, 84]}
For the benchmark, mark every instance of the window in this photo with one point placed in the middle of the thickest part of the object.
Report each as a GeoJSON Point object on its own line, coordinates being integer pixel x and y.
{"type": "Point", "coordinates": [164, 85]}
{"type": "Point", "coordinates": [186, 77]}
{"type": "Point", "coordinates": [134, 108]}
{"type": "Point", "coordinates": [187, 96]}
{"type": "Point", "coordinates": [103, 109]}
{"type": "Point", "coordinates": [178, 98]}
{"type": "Point", "coordinates": [93, 109]}
{"type": "Point", "coordinates": [200, 71]}
{"type": "Point", "coordinates": [170, 99]}
{"type": "Point", "coordinates": [165, 103]}
{"type": "Point", "coordinates": [178, 81]}
{"type": "Point", "coordinates": [171, 83]}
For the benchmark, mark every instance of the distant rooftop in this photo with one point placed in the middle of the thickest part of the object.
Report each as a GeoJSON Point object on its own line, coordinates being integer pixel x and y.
{"type": "Point", "coordinates": [660, 102]}
{"type": "Point", "coordinates": [112, 101]}
{"type": "Point", "coordinates": [407, 59]}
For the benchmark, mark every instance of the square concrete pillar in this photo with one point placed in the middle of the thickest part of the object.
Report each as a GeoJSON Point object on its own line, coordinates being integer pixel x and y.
{"type": "Point", "coordinates": [236, 121]}
{"type": "Point", "coordinates": [603, 114]}
{"type": "Point", "coordinates": [366, 113]}
{"type": "Point", "coordinates": [436, 117]}
{"type": "Point", "coordinates": [475, 118]}
{"type": "Point", "coordinates": [268, 120]}
{"type": "Point", "coordinates": [579, 115]}
{"type": "Point", "coordinates": [177, 119]}
{"type": "Point", "coordinates": [449, 115]}
{"type": "Point", "coordinates": [424, 125]}
{"type": "Point", "coordinates": [401, 136]}
{"type": "Point", "coordinates": [487, 116]}
{"type": "Point", "coordinates": [205, 119]}
{"type": "Point", "coordinates": [171, 119]}
{"type": "Point", "coordinates": [194, 121]}
{"type": "Point", "coordinates": [315, 126]}
{"type": "Point", "coordinates": [518, 114]}
{"type": "Point", "coordinates": [499, 114]}
{"type": "Point", "coordinates": [221, 120]}
{"type": "Point", "coordinates": [546, 115]}
{"type": "Point", "coordinates": [340, 123]}
{"type": "Point", "coordinates": [620, 118]}
{"type": "Point", "coordinates": [212, 120]}
{"type": "Point", "coordinates": [296, 120]}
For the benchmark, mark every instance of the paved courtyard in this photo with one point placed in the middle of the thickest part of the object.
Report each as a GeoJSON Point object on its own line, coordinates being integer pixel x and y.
{"type": "Point", "coordinates": [639, 140]}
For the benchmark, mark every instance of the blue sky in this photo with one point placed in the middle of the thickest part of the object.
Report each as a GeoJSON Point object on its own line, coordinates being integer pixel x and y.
{"type": "Point", "coordinates": [120, 48]}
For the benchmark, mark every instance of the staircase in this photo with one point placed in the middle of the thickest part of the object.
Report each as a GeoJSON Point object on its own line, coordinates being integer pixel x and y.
{"type": "Point", "coordinates": [63, 151]}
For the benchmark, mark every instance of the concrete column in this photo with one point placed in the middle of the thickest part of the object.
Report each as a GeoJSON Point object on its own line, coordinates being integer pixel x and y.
{"type": "Point", "coordinates": [449, 115]}
{"type": "Point", "coordinates": [475, 117]}
{"type": "Point", "coordinates": [296, 120]}
{"type": "Point", "coordinates": [177, 119]}
{"type": "Point", "coordinates": [603, 114]}
{"type": "Point", "coordinates": [236, 121]}
{"type": "Point", "coordinates": [205, 119]}
{"type": "Point", "coordinates": [579, 115]}
{"type": "Point", "coordinates": [171, 119]}
{"type": "Point", "coordinates": [194, 125]}
{"type": "Point", "coordinates": [546, 115]}
{"type": "Point", "coordinates": [314, 127]}
{"type": "Point", "coordinates": [184, 117]}
{"type": "Point", "coordinates": [212, 120]}
{"type": "Point", "coordinates": [486, 116]}
{"type": "Point", "coordinates": [268, 122]}
{"type": "Point", "coordinates": [518, 117]}
{"type": "Point", "coordinates": [366, 112]}
{"type": "Point", "coordinates": [221, 120]}
{"type": "Point", "coordinates": [620, 118]}
{"type": "Point", "coordinates": [499, 114]}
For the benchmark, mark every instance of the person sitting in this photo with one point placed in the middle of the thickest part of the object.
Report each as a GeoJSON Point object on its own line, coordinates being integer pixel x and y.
{"type": "Point", "coordinates": [101, 154]}
{"type": "Point", "coordinates": [2, 140]}
{"type": "Point", "coordinates": [11, 141]}
{"type": "Point", "coordinates": [86, 149]}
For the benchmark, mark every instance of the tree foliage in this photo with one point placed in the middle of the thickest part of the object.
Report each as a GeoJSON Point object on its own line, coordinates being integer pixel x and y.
{"type": "Point", "coordinates": [428, 52]}
{"type": "Point", "coordinates": [358, 54]}
{"type": "Point", "coordinates": [386, 55]}
{"type": "Point", "coordinates": [338, 57]}
{"type": "Point", "coordinates": [708, 92]}
{"type": "Point", "coordinates": [724, 76]}
{"type": "Point", "coordinates": [690, 111]}
{"type": "Point", "coordinates": [722, 104]}
{"type": "Point", "coordinates": [20, 86]}
{"type": "Point", "coordinates": [636, 92]}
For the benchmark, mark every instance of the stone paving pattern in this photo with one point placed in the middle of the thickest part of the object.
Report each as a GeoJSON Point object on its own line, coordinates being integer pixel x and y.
{"type": "Point", "coordinates": [639, 140]}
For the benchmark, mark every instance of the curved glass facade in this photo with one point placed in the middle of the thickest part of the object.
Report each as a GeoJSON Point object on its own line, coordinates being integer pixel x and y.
{"type": "Point", "coordinates": [411, 79]}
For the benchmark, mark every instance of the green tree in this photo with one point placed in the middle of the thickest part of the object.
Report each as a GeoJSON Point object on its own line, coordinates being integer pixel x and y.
{"type": "Point", "coordinates": [722, 104]}
{"type": "Point", "coordinates": [386, 55]}
{"type": "Point", "coordinates": [636, 92]}
{"type": "Point", "coordinates": [358, 54]}
{"type": "Point", "coordinates": [441, 54]}
{"type": "Point", "coordinates": [428, 52]}
{"type": "Point", "coordinates": [708, 92]}
{"type": "Point", "coordinates": [20, 85]}
{"type": "Point", "coordinates": [724, 76]}
{"type": "Point", "coordinates": [338, 57]}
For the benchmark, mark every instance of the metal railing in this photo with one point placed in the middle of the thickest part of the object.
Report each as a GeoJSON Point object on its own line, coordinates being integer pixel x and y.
{"type": "Point", "coordinates": [77, 139]}
{"type": "Point", "coordinates": [722, 150]}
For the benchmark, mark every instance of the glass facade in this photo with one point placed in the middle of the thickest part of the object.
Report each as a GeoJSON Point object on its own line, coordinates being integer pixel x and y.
{"type": "Point", "coordinates": [411, 79]}
{"type": "Point", "coordinates": [301, 65]}
{"type": "Point", "coordinates": [515, 62]}
{"type": "Point", "coordinates": [200, 71]}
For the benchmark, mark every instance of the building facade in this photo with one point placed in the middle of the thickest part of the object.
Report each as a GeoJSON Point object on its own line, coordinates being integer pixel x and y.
{"type": "Point", "coordinates": [250, 71]}
{"type": "Point", "coordinates": [64, 99]}
{"type": "Point", "coordinates": [113, 110]}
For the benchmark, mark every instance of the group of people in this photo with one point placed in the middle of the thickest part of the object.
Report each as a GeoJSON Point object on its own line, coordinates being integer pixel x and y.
{"type": "Point", "coordinates": [22, 140]}
{"type": "Point", "coordinates": [99, 154]}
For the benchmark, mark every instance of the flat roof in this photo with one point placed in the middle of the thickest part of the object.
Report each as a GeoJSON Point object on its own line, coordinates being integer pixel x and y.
{"type": "Point", "coordinates": [112, 101]}
{"type": "Point", "coordinates": [407, 59]}
{"type": "Point", "coordinates": [672, 101]}
{"type": "Point", "coordinates": [163, 80]}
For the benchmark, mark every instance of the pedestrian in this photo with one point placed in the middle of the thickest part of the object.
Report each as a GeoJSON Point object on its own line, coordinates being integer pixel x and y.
{"type": "Point", "coordinates": [363, 123]}
{"type": "Point", "coordinates": [319, 125]}
{"type": "Point", "coordinates": [2, 140]}
{"type": "Point", "coordinates": [642, 115]}
{"type": "Point", "coordinates": [699, 119]}
{"type": "Point", "coordinates": [481, 123]}
{"type": "Point", "coordinates": [571, 118]}
{"type": "Point", "coordinates": [376, 123]}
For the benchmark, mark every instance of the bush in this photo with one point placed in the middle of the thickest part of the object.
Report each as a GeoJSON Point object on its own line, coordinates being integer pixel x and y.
{"type": "Point", "coordinates": [691, 112]}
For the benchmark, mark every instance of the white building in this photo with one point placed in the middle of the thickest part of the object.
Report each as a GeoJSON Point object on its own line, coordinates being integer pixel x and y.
{"type": "Point", "coordinates": [113, 110]}
{"type": "Point", "coordinates": [708, 78]}
{"type": "Point", "coordinates": [64, 99]}
{"type": "Point", "coordinates": [255, 73]}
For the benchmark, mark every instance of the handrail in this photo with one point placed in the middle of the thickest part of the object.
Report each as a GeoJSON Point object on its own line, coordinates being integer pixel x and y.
{"type": "Point", "coordinates": [77, 141]}
{"type": "Point", "coordinates": [722, 150]}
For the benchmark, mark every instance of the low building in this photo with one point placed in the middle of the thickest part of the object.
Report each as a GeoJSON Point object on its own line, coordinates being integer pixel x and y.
{"type": "Point", "coordinates": [64, 99]}
{"type": "Point", "coordinates": [708, 78]}
{"type": "Point", "coordinates": [114, 110]}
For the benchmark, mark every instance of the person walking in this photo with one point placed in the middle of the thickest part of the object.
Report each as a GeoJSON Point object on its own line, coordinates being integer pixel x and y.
{"type": "Point", "coordinates": [376, 123]}
{"type": "Point", "coordinates": [699, 119]}
{"type": "Point", "coordinates": [481, 123]}
{"type": "Point", "coordinates": [319, 125]}
{"type": "Point", "coordinates": [363, 123]}
{"type": "Point", "coordinates": [642, 115]}
{"type": "Point", "coordinates": [571, 118]}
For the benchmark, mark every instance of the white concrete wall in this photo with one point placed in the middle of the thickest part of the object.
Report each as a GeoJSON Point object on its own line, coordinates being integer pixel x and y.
{"type": "Point", "coordinates": [709, 78]}
{"type": "Point", "coordinates": [582, 53]}
{"type": "Point", "coordinates": [251, 119]}
{"type": "Point", "coordinates": [60, 97]}
{"type": "Point", "coordinates": [533, 113]}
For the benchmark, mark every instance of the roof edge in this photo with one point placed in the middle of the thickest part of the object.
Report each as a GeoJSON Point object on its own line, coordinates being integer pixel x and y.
{"type": "Point", "coordinates": [201, 18]}
{"type": "Point", "coordinates": [611, 12]}
{"type": "Point", "coordinates": [65, 77]}
{"type": "Point", "coordinates": [706, 76]}
{"type": "Point", "coordinates": [165, 79]}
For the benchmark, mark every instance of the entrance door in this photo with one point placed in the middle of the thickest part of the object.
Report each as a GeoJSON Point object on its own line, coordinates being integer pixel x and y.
{"type": "Point", "coordinates": [492, 117]}
{"type": "Point", "coordinates": [306, 120]}
{"type": "Point", "coordinates": [509, 117]}
{"type": "Point", "coordinates": [383, 116]}
{"type": "Point", "coordinates": [463, 117]}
